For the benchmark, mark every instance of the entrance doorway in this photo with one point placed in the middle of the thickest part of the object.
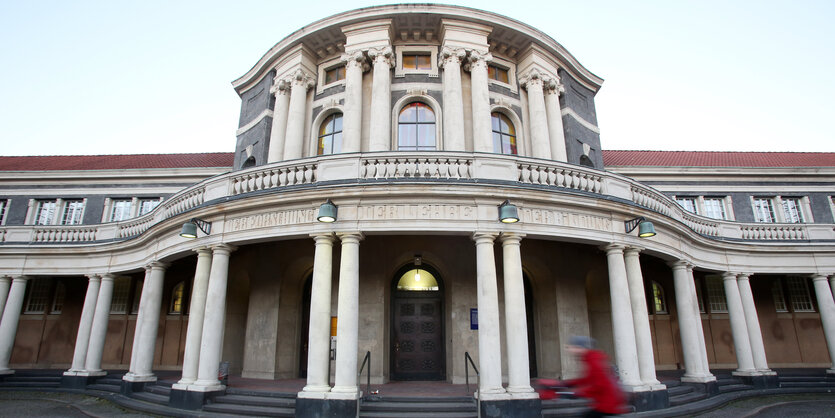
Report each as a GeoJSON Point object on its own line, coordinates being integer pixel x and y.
{"type": "Point", "coordinates": [417, 326]}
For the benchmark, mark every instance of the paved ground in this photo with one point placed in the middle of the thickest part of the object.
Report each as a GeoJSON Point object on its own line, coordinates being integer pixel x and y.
{"type": "Point", "coordinates": [55, 404]}
{"type": "Point", "coordinates": [777, 406]}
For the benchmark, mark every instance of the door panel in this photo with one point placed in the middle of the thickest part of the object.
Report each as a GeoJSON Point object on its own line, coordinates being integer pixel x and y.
{"type": "Point", "coordinates": [417, 343]}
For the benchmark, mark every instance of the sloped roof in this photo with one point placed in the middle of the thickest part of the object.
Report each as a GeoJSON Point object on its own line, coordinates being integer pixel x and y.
{"type": "Point", "coordinates": [717, 159]}
{"type": "Point", "coordinates": [116, 162]}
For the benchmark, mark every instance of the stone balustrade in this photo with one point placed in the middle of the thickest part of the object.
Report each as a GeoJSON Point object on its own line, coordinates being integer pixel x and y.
{"type": "Point", "coordinates": [425, 166]}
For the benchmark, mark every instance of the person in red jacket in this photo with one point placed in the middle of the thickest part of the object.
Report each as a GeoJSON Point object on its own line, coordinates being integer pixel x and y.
{"type": "Point", "coordinates": [598, 382]}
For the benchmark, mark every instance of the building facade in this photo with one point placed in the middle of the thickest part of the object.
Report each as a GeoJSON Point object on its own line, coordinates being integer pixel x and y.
{"type": "Point", "coordinates": [410, 125]}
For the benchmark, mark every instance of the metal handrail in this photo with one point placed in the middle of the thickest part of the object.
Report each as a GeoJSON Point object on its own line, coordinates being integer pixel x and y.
{"type": "Point", "coordinates": [366, 359]}
{"type": "Point", "coordinates": [468, 361]}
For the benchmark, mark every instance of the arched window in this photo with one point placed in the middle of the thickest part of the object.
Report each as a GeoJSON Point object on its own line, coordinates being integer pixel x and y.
{"type": "Point", "coordinates": [586, 161]}
{"type": "Point", "coordinates": [504, 134]}
{"type": "Point", "coordinates": [416, 128]}
{"type": "Point", "coordinates": [330, 135]}
{"type": "Point", "coordinates": [659, 301]}
{"type": "Point", "coordinates": [250, 162]}
{"type": "Point", "coordinates": [177, 298]}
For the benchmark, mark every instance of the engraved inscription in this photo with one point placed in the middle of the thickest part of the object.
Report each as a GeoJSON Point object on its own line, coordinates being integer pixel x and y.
{"type": "Point", "coordinates": [559, 218]}
{"type": "Point", "coordinates": [382, 212]}
{"type": "Point", "coordinates": [265, 220]}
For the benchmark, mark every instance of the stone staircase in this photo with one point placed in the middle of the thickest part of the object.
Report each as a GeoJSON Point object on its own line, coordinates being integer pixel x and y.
{"type": "Point", "coordinates": [253, 403]}
{"type": "Point", "coordinates": [32, 379]}
{"type": "Point", "coordinates": [562, 407]}
{"type": "Point", "coordinates": [412, 407]}
{"type": "Point", "coordinates": [110, 383]}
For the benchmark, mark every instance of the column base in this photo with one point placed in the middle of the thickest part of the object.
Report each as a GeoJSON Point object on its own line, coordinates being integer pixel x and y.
{"type": "Point", "coordinates": [745, 373]}
{"type": "Point", "coordinates": [710, 387]}
{"type": "Point", "coordinates": [517, 408]}
{"type": "Point", "coordinates": [829, 372]}
{"type": "Point", "coordinates": [129, 387]}
{"type": "Point", "coordinates": [71, 380]}
{"type": "Point", "coordinates": [146, 378]}
{"type": "Point", "coordinates": [6, 372]}
{"type": "Point", "coordinates": [649, 400]}
{"type": "Point", "coordinates": [344, 393]}
{"type": "Point", "coordinates": [761, 381]}
{"type": "Point", "coordinates": [698, 378]}
{"type": "Point", "coordinates": [314, 408]}
{"type": "Point", "coordinates": [314, 392]}
{"type": "Point", "coordinates": [190, 399]}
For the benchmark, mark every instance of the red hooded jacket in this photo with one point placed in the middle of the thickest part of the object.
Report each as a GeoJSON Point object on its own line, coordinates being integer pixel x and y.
{"type": "Point", "coordinates": [599, 384]}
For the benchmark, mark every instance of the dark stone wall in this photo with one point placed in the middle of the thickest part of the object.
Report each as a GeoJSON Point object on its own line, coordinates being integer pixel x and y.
{"type": "Point", "coordinates": [821, 209]}
{"type": "Point", "coordinates": [93, 209]}
{"type": "Point", "coordinates": [254, 102]}
{"type": "Point", "coordinates": [417, 78]}
{"type": "Point", "coordinates": [581, 100]}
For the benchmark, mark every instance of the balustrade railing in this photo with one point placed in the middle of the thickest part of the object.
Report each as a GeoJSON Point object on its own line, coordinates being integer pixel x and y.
{"type": "Point", "coordinates": [393, 167]}
{"type": "Point", "coordinates": [272, 177]}
{"type": "Point", "coordinates": [773, 232]}
{"type": "Point", "coordinates": [558, 176]}
{"type": "Point", "coordinates": [183, 201]}
{"type": "Point", "coordinates": [64, 234]}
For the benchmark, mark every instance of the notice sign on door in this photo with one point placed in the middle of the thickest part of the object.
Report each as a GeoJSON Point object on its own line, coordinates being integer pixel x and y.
{"type": "Point", "coordinates": [474, 318]}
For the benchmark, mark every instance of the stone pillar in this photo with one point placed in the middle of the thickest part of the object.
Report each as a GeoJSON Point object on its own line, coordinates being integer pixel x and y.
{"type": "Point", "coordinates": [540, 143]}
{"type": "Point", "coordinates": [5, 284]}
{"type": "Point", "coordinates": [383, 61]}
{"type": "Point", "coordinates": [85, 324]}
{"type": "Point", "coordinates": [143, 300]}
{"type": "Point", "coordinates": [450, 61]}
{"type": "Point", "coordinates": [623, 328]}
{"type": "Point", "coordinates": [211, 340]}
{"type": "Point", "coordinates": [739, 329]}
{"type": "Point", "coordinates": [556, 134]}
{"type": "Point", "coordinates": [98, 332]}
{"type": "Point", "coordinates": [148, 324]}
{"type": "Point", "coordinates": [318, 352]}
{"type": "Point", "coordinates": [699, 325]}
{"type": "Point", "coordinates": [687, 310]}
{"type": "Point", "coordinates": [347, 328]}
{"type": "Point", "coordinates": [196, 315]}
{"type": "Point", "coordinates": [515, 317]}
{"type": "Point", "coordinates": [640, 318]}
{"type": "Point", "coordinates": [482, 131]}
{"type": "Point", "coordinates": [752, 321]}
{"type": "Point", "coordinates": [294, 138]}
{"type": "Point", "coordinates": [489, 338]}
{"type": "Point", "coordinates": [352, 111]}
{"type": "Point", "coordinates": [280, 89]}
{"type": "Point", "coordinates": [11, 317]}
{"type": "Point", "coordinates": [831, 283]}
{"type": "Point", "coordinates": [826, 305]}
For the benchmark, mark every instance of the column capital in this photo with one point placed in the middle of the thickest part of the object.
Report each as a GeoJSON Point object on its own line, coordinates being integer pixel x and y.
{"type": "Point", "coordinates": [94, 277]}
{"type": "Point", "coordinates": [382, 55]}
{"type": "Point", "coordinates": [223, 248]}
{"type": "Point", "coordinates": [203, 251]}
{"type": "Point", "coordinates": [159, 265]}
{"type": "Point", "coordinates": [451, 55]}
{"type": "Point", "coordinates": [350, 237]}
{"type": "Point", "coordinates": [678, 264]}
{"type": "Point", "coordinates": [478, 59]}
{"type": "Point", "coordinates": [729, 276]}
{"type": "Point", "coordinates": [303, 79]}
{"type": "Point", "coordinates": [531, 78]}
{"type": "Point", "coordinates": [8, 278]}
{"type": "Point", "coordinates": [613, 248]}
{"type": "Point", "coordinates": [323, 237]}
{"type": "Point", "coordinates": [511, 237]}
{"type": "Point", "coordinates": [280, 86]}
{"type": "Point", "coordinates": [553, 85]}
{"type": "Point", "coordinates": [818, 277]}
{"type": "Point", "coordinates": [632, 250]}
{"type": "Point", "coordinates": [743, 276]}
{"type": "Point", "coordinates": [21, 278]}
{"type": "Point", "coordinates": [355, 59]}
{"type": "Point", "coordinates": [484, 237]}
{"type": "Point", "coordinates": [108, 276]}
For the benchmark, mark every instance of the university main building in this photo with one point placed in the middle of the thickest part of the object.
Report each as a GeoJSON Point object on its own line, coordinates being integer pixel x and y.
{"type": "Point", "coordinates": [416, 191]}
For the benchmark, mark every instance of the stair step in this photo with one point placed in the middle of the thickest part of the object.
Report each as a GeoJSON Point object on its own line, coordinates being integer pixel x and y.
{"type": "Point", "coordinates": [159, 390]}
{"type": "Point", "coordinates": [806, 384]}
{"type": "Point", "coordinates": [151, 397]}
{"type": "Point", "coordinates": [680, 390]}
{"type": "Point", "coordinates": [255, 401]}
{"type": "Point", "coordinates": [33, 379]}
{"type": "Point", "coordinates": [104, 388]}
{"type": "Point", "coordinates": [109, 381]}
{"type": "Point", "coordinates": [417, 407]}
{"type": "Point", "coordinates": [734, 388]}
{"type": "Point", "coordinates": [260, 393]}
{"type": "Point", "coordinates": [448, 399]}
{"type": "Point", "coordinates": [565, 412]}
{"type": "Point", "coordinates": [564, 403]}
{"type": "Point", "coordinates": [730, 381]}
{"type": "Point", "coordinates": [7, 384]}
{"type": "Point", "coordinates": [803, 379]}
{"type": "Point", "coordinates": [690, 397]}
{"type": "Point", "coordinates": [374, 414]}
{"type": "Point", "coordinates": [236, 409]}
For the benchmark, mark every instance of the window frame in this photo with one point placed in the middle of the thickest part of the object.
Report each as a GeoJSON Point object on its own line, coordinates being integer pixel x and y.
{"type": "Point", "coordinates": [769, 202]}
{"type": "Point", "coordinates": [43, 286]}
{"type": "Point", "coordinates": [515, 136]}
{"type": "Point", "coordinates": [114, 203]}
{"type": "Point", "coordinates": [141, 202]}
{"type": "Point", "coordinates": [722, 207]}
{"type": "Point", "coordinates": [4, 209]}
{"type": "Point", "coordinates": [800, 285]}
{"type": "Point", "coordinates": [322, 69]}
{"type": "Point", "coordinates": [38, 210]}
{"type": "Point", "coordinates": [172, 298]}
{"type": "Point", "coordinates": [797, 202]}
{"type": "Point", "coordinates": [69, 208]}
{"type": "Point", "coordinates": [692, 199]}
{"type": "Point", "coordinates": [654, 285]}
{"type": "Point", "coordinates": [121, 290]}
{"type": "Point", "coordinates": [417, 125]}
{"type": "Point", "coordinates": [332, 134]}
{"type": "Point", "coordinates": [430, 50]}
{"type": "Point", "coordinates": [715, 285]}
{"type": "Point", "coordinates": [510, 67]}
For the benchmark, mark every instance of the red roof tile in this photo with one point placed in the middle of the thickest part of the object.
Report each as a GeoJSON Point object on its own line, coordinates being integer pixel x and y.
{"type": "Point", "coordinates": [116, 162]}
{"type": "Point", "coordinates": [717, 159]}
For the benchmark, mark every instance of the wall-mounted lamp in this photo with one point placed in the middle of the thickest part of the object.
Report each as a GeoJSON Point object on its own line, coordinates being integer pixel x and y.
{"type": "Point", "coordinates": [508, 213]}
{"type": "Point", "coordinates": [327, 212]}
{"type": "Point", "coordinates": [190, 228]}
{"type": "Point", "coordinates": [645, 228]}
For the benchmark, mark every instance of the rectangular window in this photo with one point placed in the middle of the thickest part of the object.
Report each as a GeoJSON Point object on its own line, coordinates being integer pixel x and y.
{"type": "Point", "coordinates": [799, 295]}
{"type": "Point", "coordinates": [38, 296]}
{"type": "Point", "coordinates": [45, 212]}
{"type": "Point", "coordinates": [137, 294]}
{"type": "Point", "coordinates": [763, 210]}
{"type": "Point", "coordinates": [4, 204]}
{"type": "Point", "coordinates": [335, 74]}
{"type": "Point", "coordinates": [147, 205]}
{"type": "Point", "coordinates": [498, 74]}
{"type": "Point", "coordinates": [58, 298]}
{"type": "Point", "coordinates": [121, 291]}
{"type": "Point", "coordinates": [688, 203]}
{"type": "Point", "coordinates": [715, 208]}
{"type": "Point", "coordinates": [779, 296]}
{"type": "Point", "coordinates": [120, 210]}
{"type": "Point", "coordinates": [73, 210]}
{"type": "Point", "coordinates": [791, 210]}
{"type": "Point", "coordinates": [412, 61]}
{"type": "Point", "coordinates": [716, 295]}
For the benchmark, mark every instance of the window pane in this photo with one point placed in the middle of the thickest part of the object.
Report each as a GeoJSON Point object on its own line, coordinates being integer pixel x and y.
{"type": "Point", "coordinates": [410, 61]}
{"type": "Point", "coordinates": [45, 212]}
{"type": "Point", "coordinates": [336, 143]}
{"type": "Point", "coordinates": [763, 210]}
{"type": "Point", "coordinates": [779, 297]}
{"type": "Point", "coordinates": [58, 298]}
{"type": "Point", "coordinates": [325, 145]}
{"type": "Point", "coordinates": [408, 114]}
{"type": "Point", "coordinates": [147, 205]}
{"type": "Point", "coordinates": [38, 294]}
{"type": "Point", "coordinates": [120, 210]}
{"type": "Point", "coordinates": [716, 295]}
{"type": "Point", "coordinates": [658, 299]}
{"type": "Point", "coordinates": [73, 210]}
{"type": "Point", "coordinates": [799, 294]}
{"type": "Point", "coordinates": [407, 137]}
{"type": "Point", "coordinates": [491, 72]}
{"type": "Point", "coordinates": [177, 299]}
{"type": "Point", "coordinates": [495, 122]}
{"type": "Point", "coordinates": [121, 291]}
{"type": "Point", "coordinates": [511, 144]}
{"type": "Point", "coordinates": [501, 75]}
{"type": "Point", "coordinates": [3, 204]}
{"type": "Point", "coordinates": [715, 208]}
{"type": "Point", "coordinates": [330, 76]}
{"type": "Point", "coordinates": [497, 142]}
{"type": "Point", "coordinates": [426, 136]}
{"type": "Point", "coordinates": [327, 126]}
{"type": "Point", "coordinates": [424, 113]}
{"type": "Point", "coordinates": [791, 210]}
{"type": "Point", "coordinates": [337, 122]}
{"type": "Point", "coordinates": [424, 62]}
{"type": "Point", "coordinates": [688, 203]}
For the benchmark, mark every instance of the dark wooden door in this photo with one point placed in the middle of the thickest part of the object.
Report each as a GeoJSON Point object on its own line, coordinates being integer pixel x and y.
{"type": "Point", "coordinates": [418, 341]}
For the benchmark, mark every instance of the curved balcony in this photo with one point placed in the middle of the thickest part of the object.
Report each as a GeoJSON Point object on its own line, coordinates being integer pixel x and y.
{"type": "Point", "coordinates": [427, 168]}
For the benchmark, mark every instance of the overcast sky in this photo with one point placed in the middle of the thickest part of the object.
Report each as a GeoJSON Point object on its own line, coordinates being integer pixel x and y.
{"type": "Point", "coordinates": [153, 76]}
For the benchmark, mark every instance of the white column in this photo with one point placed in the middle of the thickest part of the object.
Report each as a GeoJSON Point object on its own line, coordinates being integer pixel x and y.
{"type": "Point", "coordinates": [211, 342]}
{"type": "Point", "coordinates": [143, 300]}
{"type": "Point", "coordinates": [5, 284]}
{"type": "Point", "coordinates": [278, 131]}
{"type": "Point", "coordinates": [540, 143]}
{"type": "Point", "coordinates": [826, 305]}
{"type": "Point", "coordinates": [85, 325]}
{"type": "Point", "coordinates": [623, 328]}
{"type": "Point", "coordinates": [739, 329]}
{"type": "Point", "coordinates": [515, 317]}
{"type": "Point", "coordinates": [352, 111]}
{"type": "Point", "coordinates": [489, 338]}
{"type": "Point", "coordinates": [318, 351]}
{"type": "Point", "coordinates": [699, 327]}
{"type": "Point", "coordinates": [640, 318]}
{"type": "Point", "coordinates": [347, 328]}
{"type": "Point", "coordinates": [832, 283]}
{"type": "Point", "coordinates": [11, 317]}
{"type": "Point", "coordinates": [98, 332]}
{"type": "Point", "coordinates": [482, 131]}
{"type": "Point", "coordinates": [148, 324]}
{"type": "Point", "coordinates": [383, 61]}
{"type": "Point", "coordinates": [553, 89]}
{"type": "Point", "coordinates": [294, 138]}
{"type": "Point", "coordinates": [688, 316]}
{"type": "Point", "coordinates": [196, 314]}
{"type": "Point", "coordinates": [752, 322]}
{"type": "Point", "coordinates": [450, 61]}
